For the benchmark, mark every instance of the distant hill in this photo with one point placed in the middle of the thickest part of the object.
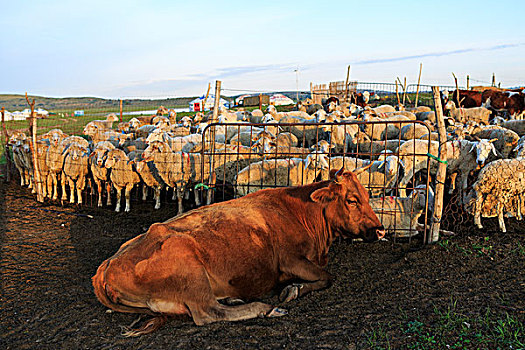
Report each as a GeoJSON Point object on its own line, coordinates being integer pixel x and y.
{"type": "Point", "coordinates": [18, 102]}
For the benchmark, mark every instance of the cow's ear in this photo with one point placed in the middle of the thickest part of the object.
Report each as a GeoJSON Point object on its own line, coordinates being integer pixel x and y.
{"type": "Point", "coordinates": [325, 195]}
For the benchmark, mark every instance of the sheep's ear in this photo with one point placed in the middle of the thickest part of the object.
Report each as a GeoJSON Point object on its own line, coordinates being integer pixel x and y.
{"type": "Point", "coordinates": [496, 152]}
{"type": "Point", "coordinates": [307, 162]}
{"type": "Point", "coordinates": [473, 146]}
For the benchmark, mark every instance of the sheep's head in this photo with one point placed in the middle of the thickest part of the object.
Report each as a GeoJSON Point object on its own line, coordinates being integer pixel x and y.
{"type": "Point", "coordinates": [186, 122]}
{"type": "Point", "coordinates": [366, 96]}
{"type": "Point", "coordinates": [316, 160]}
{"type": "Point", "coordinates": [263, 142]}
{"type": "Point", "coordinates": [267, 118]}
{"type": "Point", "coordinates": [483, 148]}
{"type": "Point", "coordinates": [16, 137]}
{"type": "Point", "coordinates": [155, 147]}
{"type": "Point", "coordinates": [322, 146]}
{"type": "Point", "coordinates": [450, 105]}
{"type": "Point", "coordinates": [419, 198]}
{"type": "Point", "coordinates": [114, 156]}
{"type": "Point", "coordinates": [90, 129]}
{"type": "Point", "coordinates": [156, 135]}
{"type": "Point", "coordinates": [112, 117]}
{"type": "Point", "coordinates": [76, 151]}
{"type": "Point", "coordinates": [320, 115]}
{"type": "Point", "coordinates": [134, 123]}
{"type": "Point", "coordinates": [391, 164]}
{"type": "Point", "coordinates": [271, 109]}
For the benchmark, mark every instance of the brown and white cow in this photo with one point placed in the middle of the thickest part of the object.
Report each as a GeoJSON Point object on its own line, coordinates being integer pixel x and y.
{"type": "Point", "coordinates": [239, 249]}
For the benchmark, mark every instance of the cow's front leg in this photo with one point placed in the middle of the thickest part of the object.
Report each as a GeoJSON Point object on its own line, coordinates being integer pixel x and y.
{"type": "Point", "coordinates": [314, 276]}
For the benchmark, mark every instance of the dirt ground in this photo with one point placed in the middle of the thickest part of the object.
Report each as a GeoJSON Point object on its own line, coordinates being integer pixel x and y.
{"type": "Point", "coordinates": [48, 254]}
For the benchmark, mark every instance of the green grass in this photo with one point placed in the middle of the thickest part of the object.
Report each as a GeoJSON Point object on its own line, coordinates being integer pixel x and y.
{"type": "Point", "coordinates": [449, 328]}
{"type": "Point", "coordinates": [481, 247]}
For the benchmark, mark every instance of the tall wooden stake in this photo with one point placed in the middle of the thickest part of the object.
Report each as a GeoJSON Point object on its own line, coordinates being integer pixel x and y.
{"type": "Point", "coordinates": [404, 90]}
{"type": "Point", "coordinates": [346, 84]}
{"type": "Point", "coordinates": [217, 101]}
{"type": "Point", "coordinates": [494, 79]}
{"type": "Point", "coordinates": [206, 97]}
{"type": "Point", "coordinates": [457, 89]}
{"type": "Point", "coordinates": [311, 91]}
{"type": "Point", "coordinates": [418, 81]}
{"type": "Point", "coordinates": [121, 111]}
{"type": "Point", "coordinates": [6, 150]}
{"type": "Point", "coordinates": [260, 102]}
{"type": "Point", "coordinates": [468, 82]}
{"type": "Point", "coordinates": [34, 149]}
{"type": "Point", "coordinates": [397, 94]}
{"type": "Point", "coordinates": [442, 169]}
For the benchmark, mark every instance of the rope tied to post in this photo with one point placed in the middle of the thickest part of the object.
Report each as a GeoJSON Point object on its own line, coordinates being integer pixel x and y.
{"type": "Point", "coordinates": [437, 158]}
{"type": "Point", "coordinates": [206, 187]}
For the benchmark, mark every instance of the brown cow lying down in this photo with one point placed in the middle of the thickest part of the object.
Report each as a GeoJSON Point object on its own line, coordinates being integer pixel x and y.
{"type": "Point", "coordinates": [239, 249]}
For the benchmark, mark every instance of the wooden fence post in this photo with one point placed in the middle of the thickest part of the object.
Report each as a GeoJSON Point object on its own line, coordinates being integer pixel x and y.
{"type": "Point", "coordinates": [37, 183]}
{"type": "Point", "coordinates": [397, 94]}
{"type": "Point", "coordinates": [217, 101]}
{"type": "Point", "coordinates": [346, 84]}
{"type": "Point", "coordinates": [457, 90]}
{"type": "Point", "coordinates": [442, 169]}
{"type": "Point", "coordinates": [6, 150]}
{"type": "Point", "coordinates": [121, 111]}
{"type": "Point", "coordinates": [206, 98]}
{"type": "Point", "coordinates": [404, 90]}
{"type": "Point", "coordinates": [260, 102]}
{"type": "Point", "coordinates": [468, 82]}
{"type": "Point", "coordinates": [418, 81]}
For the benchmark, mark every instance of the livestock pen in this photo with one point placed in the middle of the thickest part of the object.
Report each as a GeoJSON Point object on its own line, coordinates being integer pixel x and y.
{"type": "Point", "coordinates": [462, 291]}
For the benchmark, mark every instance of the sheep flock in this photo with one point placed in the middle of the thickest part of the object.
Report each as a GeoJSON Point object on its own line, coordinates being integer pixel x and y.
{"type": "Point", "coordinates": [393, 149]}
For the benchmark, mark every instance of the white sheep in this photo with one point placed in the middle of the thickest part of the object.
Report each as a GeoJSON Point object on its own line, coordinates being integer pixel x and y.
{"type": "Point", "coordinates": [169, 166]}
{"type": "Point", "coordinates": [400, 215]}
{"type": "Point", "coordinates": [462, 115]}
{"type": "Point", "coordinates": [500, 187]}
{"type": "Point", "coordinates": [281, 172]}
{"type": "Point", "coordinates": [75, 170]}
{"type": "Point", "coordinates": [460, 158]}
{"type": "Point", "coordinates": [149, 179]}
{"type": "Point", "coordinates": [122, 176]}
{"type": "Point", "coordinates": [518, 126]}
{"type": "Point", "coordinates": [100, 173]}
{"type": "Point", "coordinates": [506, 140]}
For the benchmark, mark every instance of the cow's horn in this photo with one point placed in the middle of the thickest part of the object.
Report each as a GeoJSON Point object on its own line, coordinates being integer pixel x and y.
{"type": "Point", "coordinates": [337, 175]}
{"type": "Point", "coordinates": [360, 170]}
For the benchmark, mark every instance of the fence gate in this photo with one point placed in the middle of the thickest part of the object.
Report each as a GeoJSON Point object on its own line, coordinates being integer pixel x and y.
{"type": "Point", "coordinates": [240, 158]}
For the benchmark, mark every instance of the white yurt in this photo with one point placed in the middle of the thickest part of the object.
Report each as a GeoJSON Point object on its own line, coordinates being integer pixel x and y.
{"type": "Point", "coordinates": [196, 104]}
{"type": "Point", "coordinates": [280, 100]}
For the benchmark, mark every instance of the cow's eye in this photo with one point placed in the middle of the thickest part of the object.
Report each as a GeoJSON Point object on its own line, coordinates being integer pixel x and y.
{"type": "Point", "coordinates": [351, 202]}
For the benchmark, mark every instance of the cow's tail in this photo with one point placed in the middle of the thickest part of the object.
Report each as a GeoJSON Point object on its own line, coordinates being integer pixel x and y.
{"type": "Point", "coordinates": [108, 296]}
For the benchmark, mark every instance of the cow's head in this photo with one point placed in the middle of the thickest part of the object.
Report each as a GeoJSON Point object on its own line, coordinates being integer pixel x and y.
{"type": "Point", "coordinates": [346, 207]}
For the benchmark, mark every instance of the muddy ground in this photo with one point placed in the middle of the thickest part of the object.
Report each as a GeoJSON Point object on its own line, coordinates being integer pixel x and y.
{"type": "Point", "coordinates": [49, 253]}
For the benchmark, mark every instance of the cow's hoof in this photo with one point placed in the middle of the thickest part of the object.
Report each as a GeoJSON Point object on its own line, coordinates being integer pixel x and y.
{"type": "Point", "coordinates": [233, 301]}
{"type": "Point", "coordinates": [276, 312]}
{"type": "Point", "coordinates": [290, 293]}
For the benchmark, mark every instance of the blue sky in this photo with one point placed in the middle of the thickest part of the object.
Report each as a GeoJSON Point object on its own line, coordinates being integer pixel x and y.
{"type": "Point", "coordinates": [174, 48]}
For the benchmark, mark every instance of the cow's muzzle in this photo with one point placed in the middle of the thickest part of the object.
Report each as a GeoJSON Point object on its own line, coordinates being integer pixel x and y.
{"type": "Point", "coordinates": [374, 234]}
